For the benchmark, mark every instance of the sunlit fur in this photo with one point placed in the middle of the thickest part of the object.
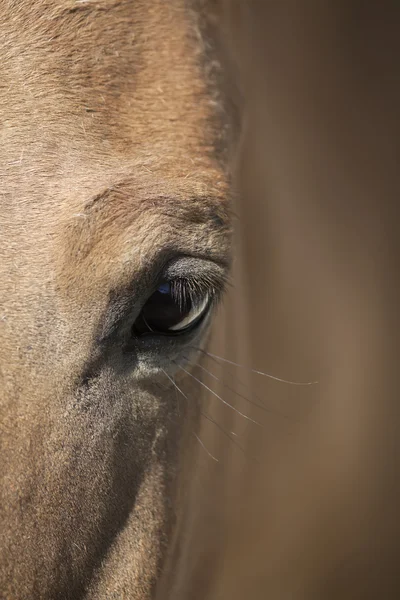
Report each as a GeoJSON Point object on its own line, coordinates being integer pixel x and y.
{"type": "Point", "coordinates": [111, 162]}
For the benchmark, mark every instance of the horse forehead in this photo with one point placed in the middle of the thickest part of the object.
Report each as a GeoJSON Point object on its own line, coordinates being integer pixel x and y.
{"type": "Point", "coordinates": [107, 59]}
{"type": "Point", "coordinates": [105, 89]}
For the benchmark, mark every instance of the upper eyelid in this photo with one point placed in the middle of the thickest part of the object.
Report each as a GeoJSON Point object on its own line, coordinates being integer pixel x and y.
{"type": "Point", "coordinates": [199, 289]}
{"type": "Point", "coordinates": [195, 268]}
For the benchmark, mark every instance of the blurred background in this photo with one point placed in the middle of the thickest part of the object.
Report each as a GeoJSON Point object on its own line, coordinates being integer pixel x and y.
{"type": "Point", "coordinates": [303, 503]}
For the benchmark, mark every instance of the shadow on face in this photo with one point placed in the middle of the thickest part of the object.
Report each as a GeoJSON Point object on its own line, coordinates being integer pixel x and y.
{"type": "Point", "coordinates": [115, 238]}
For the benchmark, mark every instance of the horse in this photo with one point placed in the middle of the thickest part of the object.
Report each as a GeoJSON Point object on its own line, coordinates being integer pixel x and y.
{"type": "Point", "coordinates": [115, 250]}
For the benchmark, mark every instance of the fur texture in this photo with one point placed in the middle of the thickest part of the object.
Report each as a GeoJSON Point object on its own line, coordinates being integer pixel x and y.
{"type": "Point", "coordinates": [110, 165]}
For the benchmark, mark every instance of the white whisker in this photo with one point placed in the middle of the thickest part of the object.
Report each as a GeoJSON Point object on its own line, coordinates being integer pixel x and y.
{"type": "Point", "coordinates": [201, 443]}
{"type": "Point", "coordinates": [227, 386]}
{"type": "Point", "coordinates": [235, 364]}
{"type": "Point", "coordinates": [219, 397]}
{"type": "Point", "coordinates": [206, 416]}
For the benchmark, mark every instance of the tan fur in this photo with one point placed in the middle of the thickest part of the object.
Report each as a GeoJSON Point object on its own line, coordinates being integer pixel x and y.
{"type": "Point", "coordinates": [110, 164]}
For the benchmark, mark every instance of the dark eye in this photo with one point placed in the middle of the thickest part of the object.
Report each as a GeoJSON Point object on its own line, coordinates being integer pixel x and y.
{"type": "Point", "coordinates": [171, 310]}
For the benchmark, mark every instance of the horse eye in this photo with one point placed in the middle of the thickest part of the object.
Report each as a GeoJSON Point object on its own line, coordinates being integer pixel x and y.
{"type": "Point", "coordinates": [171, 311]}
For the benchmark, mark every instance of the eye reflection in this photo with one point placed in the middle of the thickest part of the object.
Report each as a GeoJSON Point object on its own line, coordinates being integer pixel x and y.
{"type": "Point", "coordinates": [172, 309]}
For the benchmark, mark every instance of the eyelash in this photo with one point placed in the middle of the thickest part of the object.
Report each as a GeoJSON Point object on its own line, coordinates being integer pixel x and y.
{"type": "Point", "coordinates": [194, 289]}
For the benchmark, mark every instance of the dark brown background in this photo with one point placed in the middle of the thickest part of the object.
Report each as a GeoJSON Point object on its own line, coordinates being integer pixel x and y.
{"type": "Point", "coordinates": [311, 510]}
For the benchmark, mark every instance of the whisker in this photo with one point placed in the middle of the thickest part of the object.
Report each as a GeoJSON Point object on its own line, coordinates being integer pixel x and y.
{"type": "Point", "coordinates": [201, 443]}
{"type": "Point", "coordinates": [231, 362]}
{"type": "Point", "coordinates": [177, 399]}
{"type": "Point", "coordinates": [174, 384]}
{"type": "Point", "coordinates": [176, 388]}
{"type": "Point", "coordinates": [227, 386]}
{"type": "Point", "coordinates": [224, 431]}
{"type": "Point", "coordinates": [207, 416]}
{"type": "Point", "coordinates": [219, 397]}
{"type": "Point", "coordinates": [244, 385]}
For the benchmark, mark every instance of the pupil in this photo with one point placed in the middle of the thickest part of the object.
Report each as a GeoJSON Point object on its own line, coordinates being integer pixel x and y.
{"type": "Point", "coordinates": [162, 311]}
